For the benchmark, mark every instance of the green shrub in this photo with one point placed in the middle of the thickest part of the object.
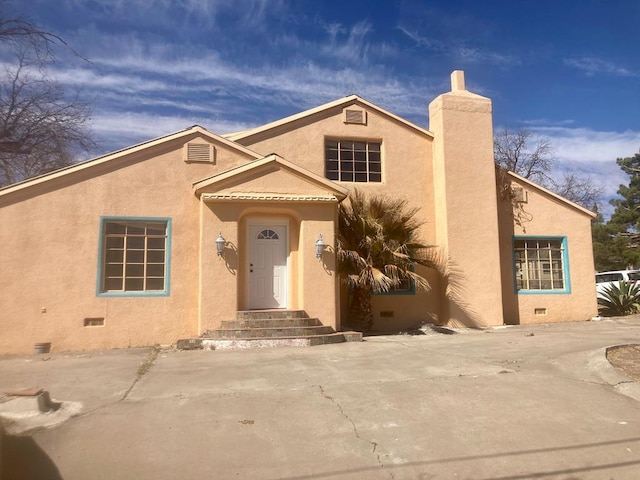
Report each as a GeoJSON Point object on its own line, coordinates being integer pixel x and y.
{"type": "Point", "coordinates": [622, 298]}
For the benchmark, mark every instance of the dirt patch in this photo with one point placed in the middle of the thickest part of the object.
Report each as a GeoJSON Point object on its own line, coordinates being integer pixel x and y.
{"type": "Point", "coordinates": [626, 358]}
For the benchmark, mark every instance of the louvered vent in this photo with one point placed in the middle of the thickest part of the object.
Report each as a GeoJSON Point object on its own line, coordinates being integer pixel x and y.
{"type": "Point", "coordinates": [355, 116]}
{"type": "Point", "coordinates": [199, 153]}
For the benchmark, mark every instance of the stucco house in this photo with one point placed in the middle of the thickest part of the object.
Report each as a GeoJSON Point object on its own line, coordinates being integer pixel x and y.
{"type": "Point", "coordinates": [121, 250]}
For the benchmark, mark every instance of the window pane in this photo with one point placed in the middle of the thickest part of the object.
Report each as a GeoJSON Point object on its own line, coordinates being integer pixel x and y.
{"type": "Point", "coordinates": [155, 270]}
{"type": "Point", "coordinates": [114, 256]}
{"type": "Point", "coordinates": [346, 177]}
{"type": "Point", "coordinates": [332, 165]}
{"type": "Point", "coordinates": [333, 175]}
{"type": "Point", "coordinates": [134, 284]}
{"type": "Point", "coordinates": [375, 167]}
{"type": "Point", "coordinates": [155, 243]}
{"type": "Point", "coordinates": [135, 256]}
{"type": "Point", "coordinates": [331, 144]}
{"type": "Point", "coordinates": [155, 284]}
{"type": "Point", "coordinates": [135, 229]}
{"type": "Point", "coordinates": [135, 270]}
{"type": "Point", "coordinates": [155, 256]}
{"type": "Point", "coordinates": [135, 242]}
{"type": "Point", "coordinates": [361, 177]}
{"type": "Point", "coordinates": [112, 227]}
{"type": "Point", "coordinates": [114, 270]}
{"type": "Point", "coordinates": [375, 177]}
{"type": "Point", "coordinates": [113, 284]}
{"type": "Point", "coordinates": [155, 229]}
{"type": "Point", "coordinates": [346, 155]}
{"type": "Point", "coordinates": [115, 242]}
{"type": "Point", "coordinates": [360, 146]}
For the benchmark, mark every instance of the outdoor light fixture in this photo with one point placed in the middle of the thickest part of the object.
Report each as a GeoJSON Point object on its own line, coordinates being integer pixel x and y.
{"type": "Point", "coordinates": [320, 247]}
{"type": "Point", "coordinates": [220, 243]}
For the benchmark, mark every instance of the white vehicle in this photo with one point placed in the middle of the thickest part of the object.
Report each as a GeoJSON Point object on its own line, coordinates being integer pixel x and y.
{"type": "Point", "coordinates": [605, 279]}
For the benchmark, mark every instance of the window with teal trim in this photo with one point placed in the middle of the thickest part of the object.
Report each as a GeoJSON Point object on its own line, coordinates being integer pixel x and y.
{"type": "Point", "coordinates": [405, 287]}
{"type": "Point", "coordinates": [134, 256]}
{"type": "Point", "coordinates": [540, 264]}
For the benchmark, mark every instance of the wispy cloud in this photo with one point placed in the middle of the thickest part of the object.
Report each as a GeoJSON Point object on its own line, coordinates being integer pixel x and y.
{"type": "Point", "coordinates": [484, 56]}
{"type": "Point", "coordinates": [593, 154]}
{"type": "Point", "coordinates": [594, 66]}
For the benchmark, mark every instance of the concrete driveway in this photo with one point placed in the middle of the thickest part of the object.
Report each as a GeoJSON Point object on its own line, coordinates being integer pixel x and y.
{"type": "Point", "coordinates": [509, 403]}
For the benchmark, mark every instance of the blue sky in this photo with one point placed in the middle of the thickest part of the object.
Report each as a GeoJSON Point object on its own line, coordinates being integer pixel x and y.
{"type": "Point", "coordinates": [568, 70]}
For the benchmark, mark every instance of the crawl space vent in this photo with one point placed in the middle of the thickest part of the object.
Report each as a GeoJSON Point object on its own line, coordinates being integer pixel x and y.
{"type": "Point", "coordinates": [199, 153]}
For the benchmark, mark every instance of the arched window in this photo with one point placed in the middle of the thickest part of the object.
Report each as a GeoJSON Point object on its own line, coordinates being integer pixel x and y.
{"type": "Point", "coordinates": [267, 234]}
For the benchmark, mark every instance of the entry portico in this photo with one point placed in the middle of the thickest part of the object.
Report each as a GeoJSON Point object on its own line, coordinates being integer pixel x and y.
{"type": "Point", "coordinates": [270, 213]}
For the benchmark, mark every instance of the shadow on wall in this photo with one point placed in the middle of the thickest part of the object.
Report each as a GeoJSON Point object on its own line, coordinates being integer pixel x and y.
{"type": "Point", "coordinates": [452, 288]}
{"type": "Point", "coordinates": [22, 459]}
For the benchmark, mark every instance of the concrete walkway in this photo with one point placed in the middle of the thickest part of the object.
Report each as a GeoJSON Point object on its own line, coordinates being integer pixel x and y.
{"type": "Point", "coordinates": [526, 402]}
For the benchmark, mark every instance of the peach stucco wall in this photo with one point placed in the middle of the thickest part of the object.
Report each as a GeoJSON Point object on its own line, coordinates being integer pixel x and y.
{"type": "Point", "coordinates": [50, 237]}
{"type": "Point", "coordinates": [407, 174]}
{"type": "Point", "coordinates": [546, 215]}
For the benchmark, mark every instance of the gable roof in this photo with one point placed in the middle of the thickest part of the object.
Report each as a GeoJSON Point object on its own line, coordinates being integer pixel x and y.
{"type": "Point", "coordinates": [560, 198]}
{"type": "Point", "coordinates": [342, 102]}
{"type": "Point", "coordinates": [329, 189]}
{"type": "Point", "coordinates": [120, 154]}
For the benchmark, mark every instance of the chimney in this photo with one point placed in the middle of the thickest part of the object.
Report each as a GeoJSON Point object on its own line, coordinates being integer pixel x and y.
{"type": "Point", "coordinates": [457, 80]}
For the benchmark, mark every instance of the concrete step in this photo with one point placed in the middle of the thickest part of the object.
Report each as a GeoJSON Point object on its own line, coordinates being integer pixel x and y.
{"type": "Point", "coordinates": [270, 323]}
{"type": "Point", "coordinates": [297, 341]}
{"type": "Point", "coordinates": [270, 314]}
{"type": "Point", "coordinates": [241, 343]}
{"type": "Point", "coordinates": [268, 328]}
{"type": "Point", "coordinates": [269, 332]}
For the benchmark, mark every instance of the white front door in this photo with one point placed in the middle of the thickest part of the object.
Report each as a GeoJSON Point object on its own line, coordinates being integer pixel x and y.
{"type": "Point", "coordinates": [267, 266]}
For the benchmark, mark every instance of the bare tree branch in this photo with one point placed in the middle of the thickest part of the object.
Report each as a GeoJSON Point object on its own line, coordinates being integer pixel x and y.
{"type": "Point", "coordinates": [41, 128]}
{"type": "Point", "coordinates": [515, 151]}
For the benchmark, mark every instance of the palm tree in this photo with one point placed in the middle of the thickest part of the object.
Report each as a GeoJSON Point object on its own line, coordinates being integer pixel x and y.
{"type": "Point", "coordinates": [378, 249]}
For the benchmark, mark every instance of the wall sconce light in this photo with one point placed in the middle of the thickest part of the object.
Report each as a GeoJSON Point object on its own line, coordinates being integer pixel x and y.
{"type": "Point", "coordinates": [320, 245]}
{"type": "Point", "coordinates": [220, 244]}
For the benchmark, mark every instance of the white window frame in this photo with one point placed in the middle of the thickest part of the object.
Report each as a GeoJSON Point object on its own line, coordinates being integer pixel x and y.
{"type": "Point", "coordinates": [353, 160]}
{"type": "Point", "coordinates": [152, 262]}
{"type": "Point", "coordinates": [541, 264]}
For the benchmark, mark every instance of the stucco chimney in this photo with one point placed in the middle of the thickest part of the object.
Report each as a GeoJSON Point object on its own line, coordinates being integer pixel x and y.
{"type": "Point", "coordinates": [457, 80]}
{"type": "Point", "coordinates": [466, 213]}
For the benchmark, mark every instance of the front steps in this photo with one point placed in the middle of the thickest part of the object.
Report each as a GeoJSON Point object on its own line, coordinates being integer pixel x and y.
{"type": "Point", "coordinates": [268, 328]}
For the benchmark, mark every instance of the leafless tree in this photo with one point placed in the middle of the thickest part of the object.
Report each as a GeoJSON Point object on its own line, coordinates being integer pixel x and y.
{"type": "Point", "coordinates": [518, 152]}
{"type": "Point", "coordinates": [42, 126]}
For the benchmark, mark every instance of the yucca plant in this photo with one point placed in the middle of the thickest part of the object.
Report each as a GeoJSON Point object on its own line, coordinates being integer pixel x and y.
{"type": "Point", "coordinates": [622, 298]}
{"type": "Point", "coordinates": [378, 247]}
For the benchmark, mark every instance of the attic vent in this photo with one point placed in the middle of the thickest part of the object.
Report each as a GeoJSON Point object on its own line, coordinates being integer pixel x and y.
{"type": "Point", "coordinates": [519, 195]}
{"type": "Point", "coordinates": [355, 116]}
{"type": "Point", "coordinates": [199, 153]}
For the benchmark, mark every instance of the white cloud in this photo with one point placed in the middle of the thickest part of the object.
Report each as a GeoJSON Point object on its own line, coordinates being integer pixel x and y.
{"type": "Point", "coordinates": [592, 153]}
{"type": "Point", "coordinates": [586, 145]}
{"type": "Point", "coordinates": [592, 66]}
{"type": "Point", "coordinates": [122, 130]}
